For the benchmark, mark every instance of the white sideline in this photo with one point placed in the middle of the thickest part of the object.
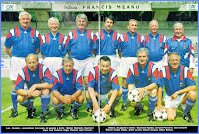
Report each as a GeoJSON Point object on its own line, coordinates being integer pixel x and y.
{"type": "Point", "coordinates": [6, 109]}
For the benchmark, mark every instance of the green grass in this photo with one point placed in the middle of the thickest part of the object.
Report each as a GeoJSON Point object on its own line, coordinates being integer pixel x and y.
{"type": "Point", "coordinates": [85, 118]}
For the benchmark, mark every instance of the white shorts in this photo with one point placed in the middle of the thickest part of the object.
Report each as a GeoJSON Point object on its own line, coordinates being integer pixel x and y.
{"type": "Point", "coordinates": [104, 96]}
{"type": "Point", "coordinates": [125, 63]}
{"type": "Point", "coordinates": [53, 63]}
{"type": "Point", "coordinates": [174, 103]}
{"type": "Point", "coordinates": [114, 62]}
{"type": "Point", "coordinates": [17, 63]}
{"type": "Point", "coordinates": [83, 66]}
{"type": "Point", "coordinates": [159, 64]}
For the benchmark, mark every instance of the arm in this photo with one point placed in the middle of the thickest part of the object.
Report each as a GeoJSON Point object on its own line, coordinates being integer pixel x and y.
{"type": "Point", "coordinates": [191, 70]}
{"type": "Point", "coordinates": [57, 94]}
{"type": "Point", "coordinates": [69, 52]}
{"type": "Point", "coordinates": [147, 88]}
{"type": "Point", "coordinates": [159, 99]}
{"type": "Point", "coordinates": [93, 98]}
{"type": "Point", "coordinates": [42, 56]}
{"type": "Point", "coordinates": [8, 51]}
{"type": "Point", "coordinates": [94, 52]}
{"type": "Point", "coordinates": [37, 50]}
{"type": "Point", "coordinates": [120, 54]}
{"type": "Point", "coordinates": [131, 87]}
{"type": "Point", "coordinates": [75, 95]}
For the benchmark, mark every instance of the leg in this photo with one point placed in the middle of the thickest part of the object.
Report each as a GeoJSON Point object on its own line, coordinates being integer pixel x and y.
{"type": "Point", "coordinates": [171, 113]}
{"type": "Point", "coordinates": [14, 100]}
{"type": "Point", "coordinates": [152, 95]}
{"type": "Point", "coordinates": [190, 98]}
{"type": "Point", "coordinates": [57, 104]}
{"type": "Point", "coordinates": [124, 94]}
{"type": "Point", "coordinates": [45, 100]}
{"type": "Point", "coordinates": [88, 109]}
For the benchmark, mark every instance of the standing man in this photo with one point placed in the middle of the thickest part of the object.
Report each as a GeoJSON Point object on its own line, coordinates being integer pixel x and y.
{"type": "Point", "coordinates": [180, 88]}
{"type": "Point", "coordinates": [39, 81]}
{"type": "Point", "coordinates": [183, 46]}
{"type": "Point", "coordinates": [155, 43]}
{"type": "Point", "coordinates": [105, 77]}
{"type": "Point", "coordinates": [53, 47]}
{"type": "Point", "coordinates": [144, 76]}
{"type": "Point", "coordinates": [130, 43]}
{"type": "Point", "coordinates": [20, 42]}
{"type": "Point", "coordinates": [80, 47]}
{"type": "Point", "coordinates": [107, 42]}
{"type": "Point", "coordinates": [67, 89]}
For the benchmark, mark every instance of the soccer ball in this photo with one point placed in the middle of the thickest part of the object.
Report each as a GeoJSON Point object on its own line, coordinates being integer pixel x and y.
{"type": "Point", "coordinates": [99, 116]}
{"type": "Point", "coordinates": [133, 96]}
{"type": "Point", "coordinates": [160, 115]}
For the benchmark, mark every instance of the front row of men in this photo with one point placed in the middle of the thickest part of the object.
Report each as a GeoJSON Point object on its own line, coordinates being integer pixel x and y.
{"type": "Point", "coordinates": [66, 85]}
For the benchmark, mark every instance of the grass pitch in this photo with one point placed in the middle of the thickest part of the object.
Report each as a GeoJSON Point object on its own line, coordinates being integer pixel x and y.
{"type": "Point", "coordinates": [85, 118]}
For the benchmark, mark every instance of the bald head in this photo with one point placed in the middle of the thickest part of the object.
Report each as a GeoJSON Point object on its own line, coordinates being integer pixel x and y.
{"type": "Point", "coordinates": [32, 62]}
{"type": "Point", "coordinates": [153, 27]}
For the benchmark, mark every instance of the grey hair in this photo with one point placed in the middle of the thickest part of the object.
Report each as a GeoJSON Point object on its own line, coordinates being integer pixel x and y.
{"type": "Point", "coordinates": [31, 54]}
{"type": "Point", "coordinates": [133, 20]}
{"type": "Point", "coordinates": [53, 18]}
{"type": "Point", "coordinates": [143, 49]}
{"type": "Point", "coordinates": [67, 58]}
{"type": "Point", "coordinates": [174, 53]}
{"type": "Point", "coordinates": [81, 16]}
{"type": "Point", "coordinates": [152, 21]}
{"type": "Point", "coordinates": [178, 24]}
{"type": "Point", "coordinates": [23, 13]}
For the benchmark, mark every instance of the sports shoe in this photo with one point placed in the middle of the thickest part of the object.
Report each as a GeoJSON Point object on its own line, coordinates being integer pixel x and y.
{"type": "Point", "coordinates": [89, 110]}
{"type": "Point", "coordinates": [150, 115]}
{"type": "Point", "coordinates": [139, 109]}
{"type": "Point", "coordinates": [74, 114]}
{"type": "Point", "coordinates": [59, 115]}
{"type": "Point", "coordinates": [124, 107]}
{"type": "Point", "coordinates": [30, 113]}
{"type": "Point", "coordinates": [34, 112]}
{"type": "Point", "coordinates": [188, 118]}
{"type": "Point", "coordinates": [14, 113]}
{"type": "Point", "coordinates": [112, 113]}
{"type": "Point", "coordinates": [47, 112]}
{"type": "Point", "coordinates": [43, 117]}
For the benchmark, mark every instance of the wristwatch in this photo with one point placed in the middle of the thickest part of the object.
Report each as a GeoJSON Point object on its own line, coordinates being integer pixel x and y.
{"type": "Point", "coordinates": [109, 104]}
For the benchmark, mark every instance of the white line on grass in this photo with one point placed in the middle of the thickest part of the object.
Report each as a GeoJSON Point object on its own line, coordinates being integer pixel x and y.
{"type": "Point", "coordinates": [2, 111]}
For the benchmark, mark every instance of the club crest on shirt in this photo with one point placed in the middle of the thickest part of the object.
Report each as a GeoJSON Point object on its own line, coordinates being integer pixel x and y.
{"type": "Point", "coordinates": [88, 42]}
{"type": "Point", "coordinates": [181, 84]}
{"type": "Point", "coordinates": [138, 45]}
{"type": "Point", "coordinates": [149, 79]}
{"type": "Point", "coordinates": [160, 45]}
{"type": "Point", "coordinates": [59, 47]}
{"type": "Point", "coordinates": [42, 81]}
{"type": "Point", "coordinates": [33, 40]}
{"type": "Point", "coordinates": [185, 47]}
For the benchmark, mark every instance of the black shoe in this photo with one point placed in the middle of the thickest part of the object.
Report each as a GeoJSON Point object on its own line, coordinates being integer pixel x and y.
{"type": "Point", "coordinates": [89, 110]}
{"type": "Point", "coordinates": [47, 112]}
{"type": "Point", "coordinates": [30, 113]}
{"type": "Point", "coordinates": [150, 115]}
{"type": "Point", "coordinates": [188, 118]}
{"type": "Point", "coordinates": [139, 109]}
{"type": "Point", "coordinates": [112, 113]}
{"type": "Point", "coordinates": [74, 114]}
{"type": "Point", "coordinates": [59, 115]}
{"type": "Point", "coordinates": [43, 117]}
{"type": "Point", "coordinates": [14, 113]}
{"type": "Point", "coordinates": [34, 112]}
{"type": "Point", "coordinates": [124, 107]}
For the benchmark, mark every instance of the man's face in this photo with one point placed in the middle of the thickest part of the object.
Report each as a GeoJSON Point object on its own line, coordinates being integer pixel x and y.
{"type": "Point", "coordinates": [132, 27]}
{"type": "Point", "coordinates": [25, 20]}
{"type": "Point", "coordinates": [142, 58]}
{"type": "Point", "coordinates": [32, 63]}
{"type": "Point", "coordinates": [68, 67]}
{"type": "Point", "coordinates": [81, 23]}
{"type": "Point", "coordinates": [153, 27]}
{"type": "Point", "coordinates": [104, 66]}
{"type": "Point", "coordinates": [178, 31]}
{"type": "Point", "coordinates": [174, 61]}
{"type": "Point", "coordinates": [53, 26]}
{"type": "Point", "coordinates": [108, 24]}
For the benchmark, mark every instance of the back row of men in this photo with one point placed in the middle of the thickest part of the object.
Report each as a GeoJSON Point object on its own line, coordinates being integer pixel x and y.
{"type": "Point", "coordinates": [81, 44]}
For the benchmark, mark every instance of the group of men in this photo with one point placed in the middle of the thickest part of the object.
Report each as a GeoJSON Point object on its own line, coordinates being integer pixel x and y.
{"type": "Point", "coordinates": [68, 65]}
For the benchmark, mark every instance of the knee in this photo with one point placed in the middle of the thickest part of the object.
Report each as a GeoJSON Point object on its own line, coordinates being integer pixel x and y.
{"type": "Point", "coordinates": [45, 91]}
{"type": "Point", "coordinates": [20, 98]}
{"type": "Point", "coordinates": [80, 98]}
{"type": "Point", "coordinates": [192, 95]}
{"type": "Point", "coordinates": [171, 117]}
{"type": "Point", "coordinates": [55, 100]}
{"type": "Point", "coordinates": [120, 92]}
{"type": "Point", "coordinates": [153, 93]}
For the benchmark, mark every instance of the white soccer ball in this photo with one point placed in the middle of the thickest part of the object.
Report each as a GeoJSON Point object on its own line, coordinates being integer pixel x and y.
{"type": "Point", "coordinates": [160, 115]}
{"type": "Point", "coordinates": [99, 116]}
{"type": "Point", "coordinates": [133, 96]}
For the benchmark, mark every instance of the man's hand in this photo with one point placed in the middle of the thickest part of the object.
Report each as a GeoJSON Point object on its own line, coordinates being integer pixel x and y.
{"type": "Point", "coordinates": [160, 108]}
{"type": "Point", "coordinates": [36, 93]}
{"type": "Point", "coordinates": [106, 109]}
{"type": "Point", "coordinates": [141, 92]}
{"type": "Point", "coordinates": [31, 90]}
{"type": "Point", "coordinates": [95, 107]}
{"type": "Point", "coordinates": [174, 96]}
